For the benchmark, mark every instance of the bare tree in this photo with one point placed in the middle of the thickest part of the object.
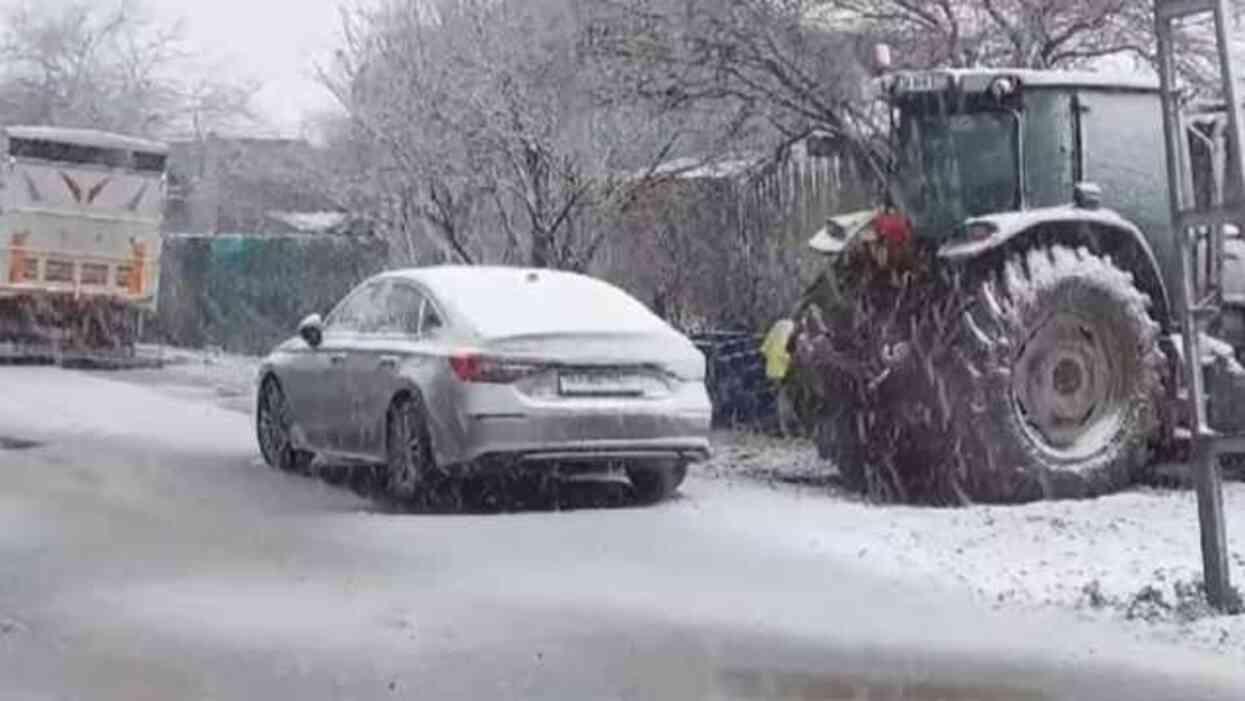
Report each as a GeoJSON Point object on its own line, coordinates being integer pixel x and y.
{"type": "Point", "coordinates": [657, 256]}
{"type": "Point", "coordinates": [111, 66]}
{"type": "Point", "coordinates": [485, 114]}
{"type": "Point", "coordinates": [767, 62]}
{"type": "Point", "coordinates": [797, 64]}
{"type": "Point", "coordinates": [399, 160]}
{"type": "Point", "coordinates": [1017, 33]}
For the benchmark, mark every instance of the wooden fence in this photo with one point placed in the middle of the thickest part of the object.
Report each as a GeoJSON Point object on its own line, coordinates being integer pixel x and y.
{"type": "Point", "coordinates": [726, 246]}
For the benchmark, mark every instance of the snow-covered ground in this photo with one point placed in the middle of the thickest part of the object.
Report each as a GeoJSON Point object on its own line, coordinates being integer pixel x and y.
{"type": "Point", "coordinates": [150, 554]}
{"type": "Point", "coordinates": [229, 372]}
{"type": "Point", "coordinates": [228, 379]}
{"type": "Point", "coordinates": [1132, 557]}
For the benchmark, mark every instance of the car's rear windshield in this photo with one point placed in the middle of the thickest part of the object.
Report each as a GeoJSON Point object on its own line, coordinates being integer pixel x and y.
{"type": "Point", "coordinates": [522, 302]}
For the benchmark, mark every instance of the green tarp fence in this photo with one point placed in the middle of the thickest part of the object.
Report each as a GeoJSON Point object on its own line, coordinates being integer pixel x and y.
{"type": "Point", "coordinates": [244, 294]}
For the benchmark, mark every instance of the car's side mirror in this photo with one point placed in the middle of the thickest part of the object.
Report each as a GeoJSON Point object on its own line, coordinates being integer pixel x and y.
{"type": "Point", "coordinates": [312, 330]}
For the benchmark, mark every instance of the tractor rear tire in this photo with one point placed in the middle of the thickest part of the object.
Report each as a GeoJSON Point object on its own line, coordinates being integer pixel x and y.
{"type": "Point", "coordinates": [1058, 375]}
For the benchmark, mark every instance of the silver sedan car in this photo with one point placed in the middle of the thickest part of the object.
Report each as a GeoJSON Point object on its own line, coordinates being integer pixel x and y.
{"type": "Point", "coordinates": [439, 371]}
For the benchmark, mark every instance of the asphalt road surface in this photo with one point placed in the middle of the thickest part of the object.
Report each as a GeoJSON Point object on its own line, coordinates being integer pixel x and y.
{"type": "Point", "coordinates": [145, 553]}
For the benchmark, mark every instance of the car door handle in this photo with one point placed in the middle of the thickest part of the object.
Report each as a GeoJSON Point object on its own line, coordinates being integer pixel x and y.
{"type": "Point", "coordinates": [388, 362]}
{"type": "Point", "coordinates": [337, 358]}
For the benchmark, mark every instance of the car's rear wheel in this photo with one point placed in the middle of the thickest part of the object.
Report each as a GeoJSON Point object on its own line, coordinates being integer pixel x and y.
{"type": "Point", "coordinates": [655, 482]}
{"type": "Point", "coordinates": [272, 426]}
{"type": "Point", "coordinates": [408, 447]}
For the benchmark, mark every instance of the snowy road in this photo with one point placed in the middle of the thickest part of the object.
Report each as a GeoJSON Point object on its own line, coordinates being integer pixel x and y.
{"type": "Point", "coordinates": [145, 554]}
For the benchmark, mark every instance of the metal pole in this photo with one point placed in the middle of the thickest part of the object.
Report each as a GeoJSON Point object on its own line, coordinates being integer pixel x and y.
{"type": "Point", "coordinates": [1234, 173]}
{"type": "Point", "coordinates": [1209, 484]}
{"type": "Point", "coordinates": [1173, 134]}
{"type": "Point", "coordinates": [1205, 460]}
{"type": "Point", "coordinates": [1209, 477]}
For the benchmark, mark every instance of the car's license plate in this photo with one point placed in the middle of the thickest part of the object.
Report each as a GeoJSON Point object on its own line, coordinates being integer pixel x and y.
{"type": "Point", "coordinates": [598, 384]}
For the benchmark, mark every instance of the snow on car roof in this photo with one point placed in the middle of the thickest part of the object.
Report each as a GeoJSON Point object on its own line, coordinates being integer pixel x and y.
{"type": "Point", "coordinates": [501, 301]}
{"type": "Point", "coordinates": [85, 137]}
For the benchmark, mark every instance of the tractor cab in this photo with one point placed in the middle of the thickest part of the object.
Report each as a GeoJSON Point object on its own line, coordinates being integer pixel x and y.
{"type": "Point", "coordinates": [980, 158]}
{"type": "Point", "coordinates": [969, 143]}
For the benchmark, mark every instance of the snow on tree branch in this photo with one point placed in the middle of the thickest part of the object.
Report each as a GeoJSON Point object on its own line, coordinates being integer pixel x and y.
{"type": "Point", "coordinates": [488, 114]}
{"type": "Point", "coordinates": [111, 66]}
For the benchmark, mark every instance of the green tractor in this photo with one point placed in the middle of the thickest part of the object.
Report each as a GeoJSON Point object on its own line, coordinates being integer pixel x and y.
{"type": "Point", "coordinates": [1006, 325]}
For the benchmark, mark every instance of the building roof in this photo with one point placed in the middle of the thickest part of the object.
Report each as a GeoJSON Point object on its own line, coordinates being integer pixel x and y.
{"type": "Point", "coordinates": [691, 168]}
{"type": "Point", "coordinates": [86, 137]}
{"type": "Point", "coordinates": [310, 221]}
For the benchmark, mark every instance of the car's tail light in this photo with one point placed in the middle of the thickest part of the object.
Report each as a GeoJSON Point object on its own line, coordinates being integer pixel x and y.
{"type": "Point", "coordinates": [470, 366]}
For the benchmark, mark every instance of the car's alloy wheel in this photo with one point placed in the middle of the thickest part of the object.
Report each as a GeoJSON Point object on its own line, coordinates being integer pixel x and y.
{"type": "Point", "coordinates": [409, 448]}
{"type": "Point", "coordinates": [272, 424]}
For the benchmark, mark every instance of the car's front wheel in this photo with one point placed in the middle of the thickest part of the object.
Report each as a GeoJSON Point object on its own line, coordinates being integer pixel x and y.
{"type": "Point", "coordinates": [655, 482]}
{"type": "Point", "coordinates": [272, 426]}
{"type": "Point", "coordinates": [408, 448]}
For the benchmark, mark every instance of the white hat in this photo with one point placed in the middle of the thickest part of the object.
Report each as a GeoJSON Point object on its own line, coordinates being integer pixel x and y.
{"type": "Point", "coordinates": [842, 230]}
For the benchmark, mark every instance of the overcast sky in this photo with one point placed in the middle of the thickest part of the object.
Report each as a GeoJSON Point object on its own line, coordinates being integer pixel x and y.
{"type": "Point", "coordinates": [275, 41]}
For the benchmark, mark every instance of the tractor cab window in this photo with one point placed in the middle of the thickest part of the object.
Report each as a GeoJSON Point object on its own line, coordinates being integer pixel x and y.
{"type": "Point", "coordinates": [956, 165]}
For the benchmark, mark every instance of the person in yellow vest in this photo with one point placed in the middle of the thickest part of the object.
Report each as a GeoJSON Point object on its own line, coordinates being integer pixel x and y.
{"type": "Point", "coordinates": [777, 354]}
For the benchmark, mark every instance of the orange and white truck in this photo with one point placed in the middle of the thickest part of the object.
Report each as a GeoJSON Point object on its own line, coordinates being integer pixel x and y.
{"type": "Point", "coordinates": [80, 220]}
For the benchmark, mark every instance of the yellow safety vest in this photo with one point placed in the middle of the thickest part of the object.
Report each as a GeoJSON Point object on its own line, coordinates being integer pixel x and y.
{"type": "Point", "coordinates": [774, 348]}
